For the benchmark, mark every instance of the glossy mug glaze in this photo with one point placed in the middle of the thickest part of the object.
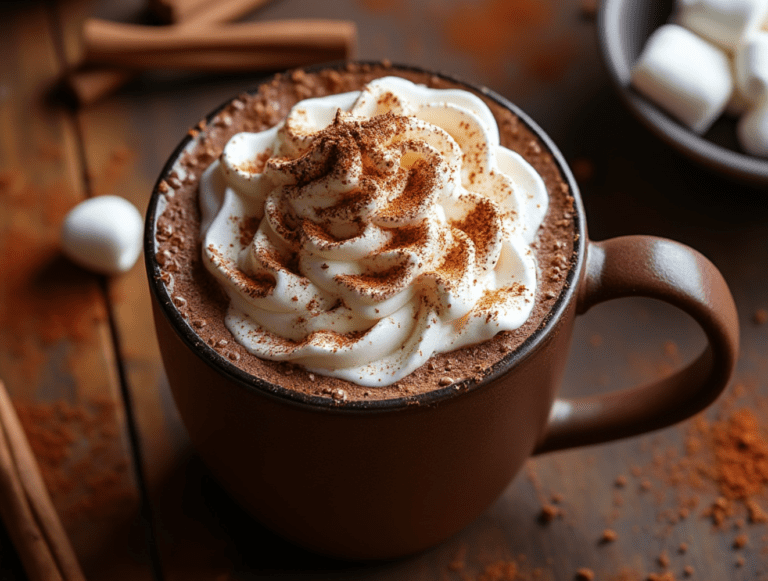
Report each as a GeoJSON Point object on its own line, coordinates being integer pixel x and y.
{"type": "Point", "coordinates": [385, 478]}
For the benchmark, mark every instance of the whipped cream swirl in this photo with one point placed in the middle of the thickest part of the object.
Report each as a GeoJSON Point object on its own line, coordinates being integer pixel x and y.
{"type": "Point", "coordinates": [372, 229]}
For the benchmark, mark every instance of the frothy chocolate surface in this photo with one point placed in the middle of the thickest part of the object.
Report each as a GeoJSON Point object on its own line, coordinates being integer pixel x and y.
{"type": "Point", "coordinates": [203, 304]}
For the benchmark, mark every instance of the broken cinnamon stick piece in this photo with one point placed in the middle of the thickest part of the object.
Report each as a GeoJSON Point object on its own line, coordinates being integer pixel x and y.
{"type": "Point", "coordinates": [27, 509]}
{"type": "Point", "coordinates": [89, 85]}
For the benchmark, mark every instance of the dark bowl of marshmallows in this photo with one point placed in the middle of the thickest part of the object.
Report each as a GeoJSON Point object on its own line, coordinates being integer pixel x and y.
{"type": "Point", "coordinates": [695, 72]}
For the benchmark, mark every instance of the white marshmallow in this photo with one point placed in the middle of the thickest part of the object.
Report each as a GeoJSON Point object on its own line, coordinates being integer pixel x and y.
{"type": "Point", "coordinates": [752, 130]}
{"type": "Point", "coordinates": [724, 22]}
{"type": "Point", "coordinates": [738, 103]}
{"type": "Point", "coordinates": [103, 234]}
{"type": "Point", "coordinates": [685, 75]}
{"type": "Point", "coordinates": [751, 66]}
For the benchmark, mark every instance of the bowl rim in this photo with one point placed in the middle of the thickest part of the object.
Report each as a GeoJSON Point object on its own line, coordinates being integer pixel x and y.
{"type": "Point", "coordinates": [429, 398]}
{"type": "Point", "coordinates": [734, 164]}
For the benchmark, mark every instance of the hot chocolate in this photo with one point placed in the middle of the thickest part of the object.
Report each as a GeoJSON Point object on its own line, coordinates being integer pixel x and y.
{"type": "Point", "coordinates": [197, 262]}
{"type": "Point", "coordinates": [392, 470]}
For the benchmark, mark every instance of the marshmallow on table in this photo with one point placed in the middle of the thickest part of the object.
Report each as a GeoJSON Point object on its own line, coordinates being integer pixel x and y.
{"type": "Point", "coordinates": [685, 75]}
{"type": "Point", "coordinates": [103, 234]}
{"type": "Point", "coordinates": [724, 22]}
{"type": "Point", "coordinates": [751, 66]}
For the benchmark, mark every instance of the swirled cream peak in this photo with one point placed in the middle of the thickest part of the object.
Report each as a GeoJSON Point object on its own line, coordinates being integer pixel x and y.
{"type": "Point", "coordinates": [372, 229]}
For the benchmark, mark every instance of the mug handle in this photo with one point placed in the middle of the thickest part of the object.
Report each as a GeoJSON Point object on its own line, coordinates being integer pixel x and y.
{"type": "Point", "coordinates": [652, 267]}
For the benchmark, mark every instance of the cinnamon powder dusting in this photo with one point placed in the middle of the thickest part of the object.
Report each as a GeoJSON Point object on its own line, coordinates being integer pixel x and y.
{"type": "Point", "coordinates": [201, 301]}
{"type": "Point", "coordinates": [254, 285]}
{"type": "Point", "coordinates": [248, 228]}
{"type": "Point", "coordinates": [407, 236]}
{"type": "Point", "coordinates": [380, 284]}
{"type": "Point", "coordinates": [741, 454]}
{"type": "Point", "coordinates": [77, 446]}
{"type": "Point", "coordinates": [422, 180]}
{"type": "Point", "coordinates": [456, 260]}
{"type": "Point", "coordinates": [257, 164]}
{"type": "Point", "coordinates": [482, 225]}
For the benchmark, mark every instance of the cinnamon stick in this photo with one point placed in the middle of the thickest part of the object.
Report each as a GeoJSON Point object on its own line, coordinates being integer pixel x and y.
{"type": "Point", "coordinates": [247, 46]}
{"type": "Point", "coordinates": [88, 85]}
{"type": "Point", "coordinates": [26, 506]}
{"type": "Point", "coordinates": [24, 532]}
{"type": "Point", "coordinates": [227, 61]}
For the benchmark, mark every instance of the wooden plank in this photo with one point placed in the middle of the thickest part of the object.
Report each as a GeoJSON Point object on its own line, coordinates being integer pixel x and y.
{"type": "Point", "coordinates": [188, 541]}
{"type": "Point", "coordinates": [56, 351]}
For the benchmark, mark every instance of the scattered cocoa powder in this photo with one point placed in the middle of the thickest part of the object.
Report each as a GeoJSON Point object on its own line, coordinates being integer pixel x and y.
{"type": "Point", "coordinates": [626, 574]}
{"type": "Point", "coordinates": [105, 178]}
{"type": "Point", "coordinates": [549, 512]}
{"type": "Point", "coordinates": [44, 299]}
{"type": "Point", "coordinates": [755, 512]}
{"type": "Point", "coordinates": [504, 569]}
{"type": "Point", "coordinates": [78, 449]}
{"type": "Point", "coordinates": [499, 571]}
{"type": "Point", "coordinates": [665, 576]}
{"type": "Point", "coordinates": [663, 560]}
{"type": "Point", "coordinates": [740, 454]}
{"type": "Point", "coordinates": [458, 563]}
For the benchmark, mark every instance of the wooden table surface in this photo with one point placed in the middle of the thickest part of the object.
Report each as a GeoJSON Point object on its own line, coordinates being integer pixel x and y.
{"type": "Point", "coordinates": [79, 355]}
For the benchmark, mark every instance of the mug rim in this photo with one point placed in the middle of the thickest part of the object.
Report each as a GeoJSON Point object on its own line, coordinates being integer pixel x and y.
{"type": "Point", "coordinates": [229, 370]}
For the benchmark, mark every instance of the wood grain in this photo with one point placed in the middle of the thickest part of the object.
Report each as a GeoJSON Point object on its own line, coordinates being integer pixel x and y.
{"type": "Point", "coordinates": [56, 350]}
{"type": "Point", "coordinates": [123, 159]}
{"type": "Point", "coordinates": [187, 534]}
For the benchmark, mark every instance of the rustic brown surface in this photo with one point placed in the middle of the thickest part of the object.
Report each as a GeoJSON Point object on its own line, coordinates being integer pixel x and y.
{"type": "Point", "coordinates": [660, 494]}
{"type": "Point", "coordinates": [57, 352]}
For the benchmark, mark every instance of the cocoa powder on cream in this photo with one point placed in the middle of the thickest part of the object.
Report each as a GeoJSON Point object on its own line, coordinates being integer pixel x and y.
{"type": "Point", "coordinates": [199, 299]}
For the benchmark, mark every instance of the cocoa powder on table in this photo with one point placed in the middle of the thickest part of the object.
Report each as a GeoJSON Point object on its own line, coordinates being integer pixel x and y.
{"type": "Point", "coordinates": [77, 447]}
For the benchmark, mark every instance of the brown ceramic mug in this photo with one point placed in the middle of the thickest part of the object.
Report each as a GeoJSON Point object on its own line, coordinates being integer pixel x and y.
{"type": "Point", "coordinates": [385, 478]}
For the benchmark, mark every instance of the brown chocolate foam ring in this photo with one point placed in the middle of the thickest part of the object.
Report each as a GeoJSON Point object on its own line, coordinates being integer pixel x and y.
{"type": "Point", "coordinates": [521, 351]}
